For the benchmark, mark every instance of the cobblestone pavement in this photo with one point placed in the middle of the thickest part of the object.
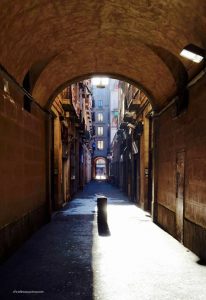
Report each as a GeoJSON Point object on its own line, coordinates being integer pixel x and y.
{"type": "Point", "coordinates": [68, 259]}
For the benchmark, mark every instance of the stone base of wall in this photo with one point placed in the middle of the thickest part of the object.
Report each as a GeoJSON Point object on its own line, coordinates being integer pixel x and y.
{"type": "Point", "coordinates": [14, 234]}
{"type": "Point", "coordinates": [166, 220]}
{"type": "Point", "coordinates": [195, 239]}
{"type": "Point", "coordinates": [194, 235]}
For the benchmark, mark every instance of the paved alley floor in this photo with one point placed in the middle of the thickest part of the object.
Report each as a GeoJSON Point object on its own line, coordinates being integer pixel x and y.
{"type": "Point", "coordinates": [68, 259]}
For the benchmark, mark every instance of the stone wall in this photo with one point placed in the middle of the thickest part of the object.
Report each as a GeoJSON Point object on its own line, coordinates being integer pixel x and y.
{"type": "Point", "coordinates": [185, 133]}
{"type": "Point", "coordinates": [23, 204]}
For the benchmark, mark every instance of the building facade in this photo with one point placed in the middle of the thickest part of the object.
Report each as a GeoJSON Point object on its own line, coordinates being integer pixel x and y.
{"type": "Point", "coordinates": [72, 122]}
{"type": "Point", "coordinates": [131, 164]}
{"type": "Point", "coordinates": [114, 106]}
{"type": "Point", "coordinates": [101, 130]}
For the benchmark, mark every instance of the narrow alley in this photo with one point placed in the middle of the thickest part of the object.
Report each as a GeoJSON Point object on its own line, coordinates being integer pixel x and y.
{"type": "Point", "coordinates": [68, 259]}
{"type": "Point", "coordinates": [102, 104]}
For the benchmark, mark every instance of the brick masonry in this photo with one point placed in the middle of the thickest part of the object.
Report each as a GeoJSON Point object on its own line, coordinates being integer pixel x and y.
{"type": "Point", "coordinates": [143, 32]}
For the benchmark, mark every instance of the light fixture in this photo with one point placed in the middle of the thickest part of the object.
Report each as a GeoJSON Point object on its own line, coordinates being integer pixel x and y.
{"type": "Point", "coordinates": [193, 52]}
{"type": "Point", "coordinates": [100, 82]}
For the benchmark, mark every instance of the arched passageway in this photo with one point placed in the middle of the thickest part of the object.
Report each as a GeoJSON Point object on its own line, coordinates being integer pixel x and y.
{"type": "Point", "coordinates": [156, 38]}
{"type": "Point", "coordinates": [44, 46]}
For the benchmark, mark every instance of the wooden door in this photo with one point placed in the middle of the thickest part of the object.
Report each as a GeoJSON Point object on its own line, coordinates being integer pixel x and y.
{"type": "Point", "coordinates": [180, 184]}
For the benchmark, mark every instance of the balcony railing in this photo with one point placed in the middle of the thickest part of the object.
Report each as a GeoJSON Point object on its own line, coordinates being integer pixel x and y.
{"type": "Point", "coordinates": [67, 105]}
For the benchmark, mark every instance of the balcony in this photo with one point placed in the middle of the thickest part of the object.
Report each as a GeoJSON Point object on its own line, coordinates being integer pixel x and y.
{"type": "Point", "coordinates": [128, 117]}
{"type": "Point", "coordinates": [123, 125]}
{"type": "Point", "coordinates": [138, 130]}
{"type": "Point", "coordinates": [67, 105]}
{"type": "Point", "coordinates": [134, 105]}
{"type": "Point", "coordinates": [86, 136]}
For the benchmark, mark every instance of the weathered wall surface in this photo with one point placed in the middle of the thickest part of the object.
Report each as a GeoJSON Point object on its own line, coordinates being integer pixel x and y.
{"type": "Point", "coordinates": [188, 133]}
{"type": "Point", "coordinates": [23, 171]}
{"type": "Point", "coordinates": [144, 159]}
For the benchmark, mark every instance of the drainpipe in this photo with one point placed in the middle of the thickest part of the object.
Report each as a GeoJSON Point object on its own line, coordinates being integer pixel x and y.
{"type": "Point", "coordinates": [197, 78]}
{"type": "Point", "coordinates": [154, 206]}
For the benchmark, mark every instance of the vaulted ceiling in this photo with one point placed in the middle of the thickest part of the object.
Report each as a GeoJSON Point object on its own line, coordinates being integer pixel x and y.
{"type": "Point", "coordinates": [60, 41]}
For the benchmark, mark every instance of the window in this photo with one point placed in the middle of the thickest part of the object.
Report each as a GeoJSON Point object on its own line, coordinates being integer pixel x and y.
{"type": "Point", "coordinates": [100, 103]}
{"type": "Point", "coordinates": [100, 145]}
{"type": "Point", "coordinates": [100, 117]}
{"type": "Point", "coordinates": [100, 130]}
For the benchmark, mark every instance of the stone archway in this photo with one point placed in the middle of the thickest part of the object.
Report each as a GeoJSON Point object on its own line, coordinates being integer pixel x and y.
{"type": "Point", "coordinates": [100, 170]}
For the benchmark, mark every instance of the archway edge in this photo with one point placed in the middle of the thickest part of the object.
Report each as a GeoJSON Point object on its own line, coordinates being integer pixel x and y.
{"type": "Point", "coordinates": [101, 74]}
{"type": "Point", "coordinates": [46, 29]}
{"type": "Point", "coordinates": [129, 60]}
{"type": "Point", "coordinates": [95, 160]}
{"type": "Point", "coordinates": [100, 157]}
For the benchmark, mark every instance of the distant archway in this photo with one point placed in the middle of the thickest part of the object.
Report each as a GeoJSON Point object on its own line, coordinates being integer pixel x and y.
{"type": "Point", "coordinates": [100, 168]}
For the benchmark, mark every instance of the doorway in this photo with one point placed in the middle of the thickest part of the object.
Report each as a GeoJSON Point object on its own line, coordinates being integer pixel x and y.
{"type": "Point", "coordinates": [100, 169]}
{"type": "Point", "coordinates": [180, 185]}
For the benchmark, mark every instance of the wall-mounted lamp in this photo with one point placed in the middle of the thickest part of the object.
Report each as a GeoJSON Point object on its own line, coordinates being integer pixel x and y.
{"type": "Point", "coordinates": [194, 53]}
{"type": "Point", "coordinates": [100, 82]}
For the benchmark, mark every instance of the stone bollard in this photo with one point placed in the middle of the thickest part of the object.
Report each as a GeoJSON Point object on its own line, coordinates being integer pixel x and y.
{"type": "Point", "coordinates": [102, 209]}
{"type": "Point", "coordinates": [103, 228]}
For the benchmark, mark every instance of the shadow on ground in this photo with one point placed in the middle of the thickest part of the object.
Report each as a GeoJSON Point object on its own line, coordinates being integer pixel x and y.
{"type": "Point", "coordinates": [56, 262]}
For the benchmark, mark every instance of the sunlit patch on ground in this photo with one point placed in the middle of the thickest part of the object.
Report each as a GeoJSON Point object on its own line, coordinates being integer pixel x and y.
{"type": "Point", "coordinates": [101, 177]}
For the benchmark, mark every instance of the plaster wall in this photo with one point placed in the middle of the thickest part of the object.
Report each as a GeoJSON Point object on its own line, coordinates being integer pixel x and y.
{"type": "Point", "coordinates": [23, 170]}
